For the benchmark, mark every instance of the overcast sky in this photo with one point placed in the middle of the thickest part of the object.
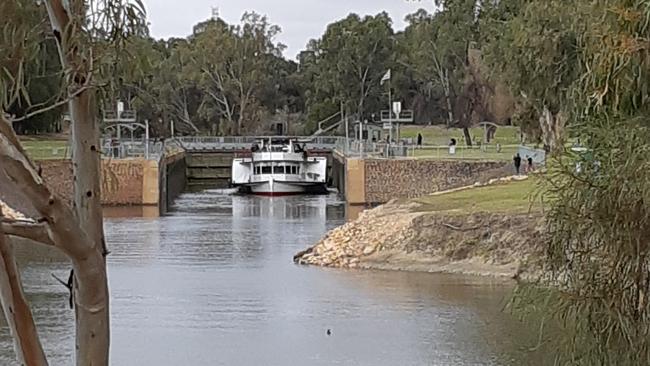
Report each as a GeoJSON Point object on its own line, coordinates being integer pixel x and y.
{"type": "Point", "coordinates": [300, 20]}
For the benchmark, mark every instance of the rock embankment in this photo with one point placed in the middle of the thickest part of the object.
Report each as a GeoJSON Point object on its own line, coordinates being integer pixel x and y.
{"type": "Point", "coordinates": [400, 236]}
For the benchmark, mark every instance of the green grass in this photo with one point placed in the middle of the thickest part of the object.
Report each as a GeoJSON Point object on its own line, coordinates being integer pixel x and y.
{"type": "Point", "coordinates": [514, 196]}
{"type": "Point", "coordinates": [438, 135]}
{"type": "Point", "coordinates": [490, 153]}
{"type": "Point", "coordinates": [41, 149]}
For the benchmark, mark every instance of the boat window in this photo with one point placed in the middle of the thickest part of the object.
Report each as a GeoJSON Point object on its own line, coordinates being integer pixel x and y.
{"type": "Point", "coordinates": [294, 169]}
{"type": "Point", "coordinates": [266, 170]}
{"type": "Point", "coordinates": [278, 169]}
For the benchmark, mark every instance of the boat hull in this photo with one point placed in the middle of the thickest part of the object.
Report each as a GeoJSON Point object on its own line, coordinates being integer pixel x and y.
{"type": "Point", "coordinates": [275, 188]}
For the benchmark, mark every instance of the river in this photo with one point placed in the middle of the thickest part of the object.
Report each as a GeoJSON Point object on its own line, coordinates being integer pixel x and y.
{"type": "Point", "coordinates": [213, 283]}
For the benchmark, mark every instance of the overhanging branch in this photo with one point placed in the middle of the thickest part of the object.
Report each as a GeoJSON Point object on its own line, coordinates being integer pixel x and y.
{"type": "Point", "coordinates": [52, 106]}
{"type": "Point", "coordinates": [38, 232]}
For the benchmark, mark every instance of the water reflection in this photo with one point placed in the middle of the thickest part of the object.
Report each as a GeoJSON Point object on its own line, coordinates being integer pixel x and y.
{"type": "Point", "coordinates": [131, 211]}
{"type": "Point", "coordinates": [213, 283]}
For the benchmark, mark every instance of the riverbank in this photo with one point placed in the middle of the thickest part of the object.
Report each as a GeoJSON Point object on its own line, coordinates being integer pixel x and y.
{"type": "Point", "coordinates": [493, 229]}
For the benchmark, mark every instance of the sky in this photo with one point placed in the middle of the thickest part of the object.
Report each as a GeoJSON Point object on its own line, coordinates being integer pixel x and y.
{"type": "Point", "coordinates": [300, 20]}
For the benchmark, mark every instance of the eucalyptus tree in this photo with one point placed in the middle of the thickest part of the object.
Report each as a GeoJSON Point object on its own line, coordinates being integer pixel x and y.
{"type": "Point", "coordinates": [534, 47]}
{"type": "Point", "coordinates": [588, 61]}
{"type": "Point", "coordinates": [231, 64]}
{"type": "Point", "coordinates": [599, 247]}
{"type": "Point", "coordinates": [153, 82]}
{"type": "Point", "coordinates": [436, 47]}
{"type": "Point", "coordinates": [89, 38]}
{"type": "Point", "coordinates": [32, 73]}
{"type": "Point", "coordinates": [346, 64]}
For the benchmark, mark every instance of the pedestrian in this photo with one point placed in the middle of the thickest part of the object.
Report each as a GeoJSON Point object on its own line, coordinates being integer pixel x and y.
{"type": "Point", "coordinates": [419, 139]}
{"type": "Point", "coordinates": [530, 164]}
{"type": "Point", "coordinates": [452, 146]}
{"type": "Point", "coordinates": [517, 161]}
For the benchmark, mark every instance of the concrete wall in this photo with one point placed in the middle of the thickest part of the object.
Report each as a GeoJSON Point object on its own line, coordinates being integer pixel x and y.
{"type": "Point", "coordinates": [123, 182]}
{"type": "Point", "coordinates": [355, 182]}
{"type": "Point", "coordinates": [338, 172]}
{"type": "Point", "coordinates": [173, 179]}
{"type": "Point", "coordinates": [375, 181]}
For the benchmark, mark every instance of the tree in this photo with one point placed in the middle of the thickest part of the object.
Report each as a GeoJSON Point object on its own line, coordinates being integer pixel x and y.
{"type": "Point", "coordinates": [533, 47]}
{"type": "Point", "coordinates": [598, 218]}
{"type": "Point", "coordinates": [347, 63]}
{"type": "Point", "coordinates": [87, 48]}
{"type": "Point", "coordinates": [436, 47]}
{"type": "Point", "coordinates": [157, 88]}
{"type": "Point", "coordinates": [231, 64]}
{"type": "Point", "coordinates": [32, 72]}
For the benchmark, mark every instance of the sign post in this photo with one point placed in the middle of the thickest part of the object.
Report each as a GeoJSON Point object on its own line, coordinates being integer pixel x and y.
{"type": "Point", "coordinates": [397, 109]}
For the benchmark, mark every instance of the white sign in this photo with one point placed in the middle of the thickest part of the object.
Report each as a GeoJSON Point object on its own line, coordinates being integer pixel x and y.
{"type": "Point", "coordinates": [386, 126]}
{"type": "Point", "coordinates": [120, 108]}
{"type": "Point", "coordinates": [397, 108]}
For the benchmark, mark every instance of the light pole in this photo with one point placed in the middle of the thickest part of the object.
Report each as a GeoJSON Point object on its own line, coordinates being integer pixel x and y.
{"type": "Point", "coordinates": [390, 112]}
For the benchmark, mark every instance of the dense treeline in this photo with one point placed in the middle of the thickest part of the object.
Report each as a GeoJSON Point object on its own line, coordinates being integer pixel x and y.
{"type": "Point", "coordinates": [510, 61]}
{"type": "Point", "coordinates": [233, 79]}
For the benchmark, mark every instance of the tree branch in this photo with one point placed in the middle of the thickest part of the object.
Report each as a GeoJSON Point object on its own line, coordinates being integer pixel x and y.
{"type": "Point", "coordinates": [52, 106]}
{"type": "Point", "coordinates": [38, 232]}
{"type": "Point", "coordinates": [29, 350]}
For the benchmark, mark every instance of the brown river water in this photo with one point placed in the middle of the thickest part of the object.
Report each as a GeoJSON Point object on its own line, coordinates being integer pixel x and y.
{"type": "Point", "coordinates": [213, 283]}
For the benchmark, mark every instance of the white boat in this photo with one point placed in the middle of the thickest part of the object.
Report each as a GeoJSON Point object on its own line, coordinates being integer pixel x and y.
{"type": "Point", "coordinates": [280, 167]}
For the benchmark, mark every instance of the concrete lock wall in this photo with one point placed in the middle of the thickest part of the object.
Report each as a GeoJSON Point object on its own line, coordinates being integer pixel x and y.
{"type": "Point", "coordinates": [373, 181]}
{"type": "Point", "coordinates": [355, 182]}
{"type": "Point", "coordinates": [173, 179]}
{"type": "Point", "coordinates": [123, 181]}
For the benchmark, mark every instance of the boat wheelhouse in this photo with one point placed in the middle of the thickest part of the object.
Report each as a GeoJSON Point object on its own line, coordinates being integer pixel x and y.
{"type": "Point", "coordinates": [280, 167]}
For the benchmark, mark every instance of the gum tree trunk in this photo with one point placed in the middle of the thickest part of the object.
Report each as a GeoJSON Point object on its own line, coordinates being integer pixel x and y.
{"type": "Point", "coordinates": [90, 280]}
{"type": "Point", "coordinates": [90, 285]}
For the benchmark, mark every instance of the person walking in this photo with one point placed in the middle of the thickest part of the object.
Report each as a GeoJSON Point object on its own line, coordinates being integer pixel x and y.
{"type": "Point", "coordinates": [419, 140]}
{"type": "Point", "coordinates": [517, 161]}
{"type": "Point", "coordinates": [530, 164]}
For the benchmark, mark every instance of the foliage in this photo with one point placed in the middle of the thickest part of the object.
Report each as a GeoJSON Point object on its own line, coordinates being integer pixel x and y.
{"type": "Point", "coordinates": [30, 76]}
{"type": "Point", "coordinates": [230, 65]}
{"type": "Point", "coordinates": [599, 244]}
{"type": "Point", "coordinates": [533, 46]}
{"type": "Point", "coordinates": [599, 214]}
{"type": "Point", "coordinates": [346, 64]}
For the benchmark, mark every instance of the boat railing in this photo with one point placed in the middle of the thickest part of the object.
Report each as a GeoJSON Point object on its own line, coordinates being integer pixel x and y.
{"type": "Point", "coordinates": [245, 142]}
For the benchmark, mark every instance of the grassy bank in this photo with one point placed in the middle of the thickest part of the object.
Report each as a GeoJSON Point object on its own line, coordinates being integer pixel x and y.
{"type": "Point", "coordinates": [440, 136]}
{"type": "Point", "coordinates": [435, 142]}
{"type": "Point", "coordinates": [40, 148]}
{"type": "Point", "coordinates": [508, 197]}
{"type": "Point", "coordinates": [506, 153]}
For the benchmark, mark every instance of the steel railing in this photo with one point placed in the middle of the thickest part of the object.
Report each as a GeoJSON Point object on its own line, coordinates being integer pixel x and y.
{"type": "Point", "coordinates": [154, 150]}
{"type": "Point", "coordinates": [245, 142]}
